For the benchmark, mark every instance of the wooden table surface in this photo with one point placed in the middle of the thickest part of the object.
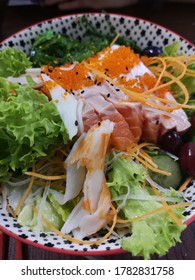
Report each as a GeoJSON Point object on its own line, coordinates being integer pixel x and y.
{"type": "Point", "coordinates": [178, 17]}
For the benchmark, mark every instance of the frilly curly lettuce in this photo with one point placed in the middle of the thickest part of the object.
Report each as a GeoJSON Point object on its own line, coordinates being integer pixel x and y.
{"type": "Point", "coordinates": [153, 234]}
{"type": "Point", "coordinates": [30, 127]}
{"type": "Point", "coordinates": [13, 62]}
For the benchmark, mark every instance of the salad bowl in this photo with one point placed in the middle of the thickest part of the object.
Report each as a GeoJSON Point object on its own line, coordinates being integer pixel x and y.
{"type": "Point", "coordinates": [145, 34]}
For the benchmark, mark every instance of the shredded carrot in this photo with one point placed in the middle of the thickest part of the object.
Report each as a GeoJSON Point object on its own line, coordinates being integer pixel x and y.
{"type": "Point", "coordinates": [9, 209]}
{"type": "Point", "coordinates": [147, 158]}
{"type": "Point", "coordinates": [136, 147]}
{"type": "Point", "coordinates": [181, 85]}
{"type": "Point", "coordinates": [24, 195]}
{"type": "Point", "coordinates": [114, 40]}
{"type": "Point", "coordinates": [167, 208]}
{"type": "Point", "coordinates": [63, 152]}
{"type": "Point", "coordinates": [144, 98]}
{"type": "Point", "coordinates": [160, 71]}
{"type": "Point", "coordinates": [44, 184]}
{"type": "Point", "coordinates": [179, 67]}
{"type": "Point", "coordinates": [152, 167]}
{"type": "Point", "coordinates": [137, 152]}
{"type": "Point", "coordinates": [58, 162]}
{"type": "Point", "coordinates": [189, 73]}
{"type": "Point", "coordinates": [157, 210]}
{"type": "Point", "coordinates": [45, 177]}
{"type": "Point", "coordinates": [185, 184]}
{"type": "Point", "coordinates": [76, 241]}
{"type": "Point", "coordinates": [40, 163]}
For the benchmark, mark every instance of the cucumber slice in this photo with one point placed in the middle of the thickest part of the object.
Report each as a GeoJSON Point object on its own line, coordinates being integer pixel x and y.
{"type": "Point", "coordinates": [167, 163]}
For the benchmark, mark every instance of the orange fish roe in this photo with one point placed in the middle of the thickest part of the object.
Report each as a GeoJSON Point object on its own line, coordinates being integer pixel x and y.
{"type": "Point", "coordinates": [119, 62]}
{"type": "Point", "coordinates": [45, 89]}
{"type": "Point", "coordinates": [145, 59]}
{"type": "Point", "coordinates": [132, 84]}
{"type": "Point", "coordinates": [115, 62]}
{"type": "Point", "coordinates": [150, 81]}
{"type": "Point", "coordinates": [140, 83]}
{"type": "Point", "coordinates": [71, 79]}
{"type": "Point", "coordinates": [161, 92]}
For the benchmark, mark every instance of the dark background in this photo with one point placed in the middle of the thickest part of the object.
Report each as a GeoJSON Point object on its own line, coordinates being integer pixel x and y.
{"type": "Point", "coordinates": [179, 17]}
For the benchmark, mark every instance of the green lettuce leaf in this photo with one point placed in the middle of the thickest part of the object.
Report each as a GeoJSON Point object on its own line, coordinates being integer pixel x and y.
{"type": "Point", "coordinates": [13, 62]}
{"type": "Point", "coordinates": [187, 81]}
{"type": "Point", "coordinates": [172, 49]}
{"type": "Point", "coordinates": [30, 128]}
{"type": "Point", "coordinates": [62, 210]}
{"type": "Point", "coordinates": [153, 234]}
{"type": "Point", "coordinates": [4, 89]}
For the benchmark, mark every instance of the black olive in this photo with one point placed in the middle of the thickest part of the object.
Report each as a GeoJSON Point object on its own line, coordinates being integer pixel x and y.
{"type": "Point", "coordinates": [152, 51]}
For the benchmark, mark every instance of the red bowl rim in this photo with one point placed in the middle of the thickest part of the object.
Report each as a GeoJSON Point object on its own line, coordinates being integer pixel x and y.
{"type": "Point", "coordinates": [72, 252]}
{"type": "Point", "coordinates": [61, 250]}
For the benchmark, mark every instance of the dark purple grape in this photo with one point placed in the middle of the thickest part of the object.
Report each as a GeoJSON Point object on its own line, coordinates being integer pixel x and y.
{"type": "Point", "coordinates": [152, 51]}
{"type": "Point", "coordinates": [193, 120]}
{"type": "Point", "coordinates": [171, 142]}
{"type": "Point", "coordinates": [187, 158]}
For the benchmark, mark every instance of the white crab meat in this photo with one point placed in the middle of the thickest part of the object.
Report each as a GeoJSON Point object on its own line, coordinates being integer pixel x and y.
{"type": "Point", "coordinates": [34, 73]}
{"type": "Point", "coordinates": [65, 103]}
{"type": "Point", "coordinates": [89, 153]}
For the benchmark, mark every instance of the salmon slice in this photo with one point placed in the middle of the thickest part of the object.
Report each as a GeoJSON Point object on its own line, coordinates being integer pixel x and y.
{"type": "Point", "coordinates": [178, 119]}
{"type": "Point", "coordinates": [133, 114]}
{"type": "Point", "coordinates": [156, 122]}
{"type": "Point", "coordinates": [131, 111]}
{"type": "Point", "coordinates": [103, 100]}
{"type": "Point", "coordinates": [90, 117]}
{"type": "Point", "coordinates": [121, 136]}
{"type": "Point", "coordinates": [133, 118]}
{"type": "Point", "coordinates": [151, 126]}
